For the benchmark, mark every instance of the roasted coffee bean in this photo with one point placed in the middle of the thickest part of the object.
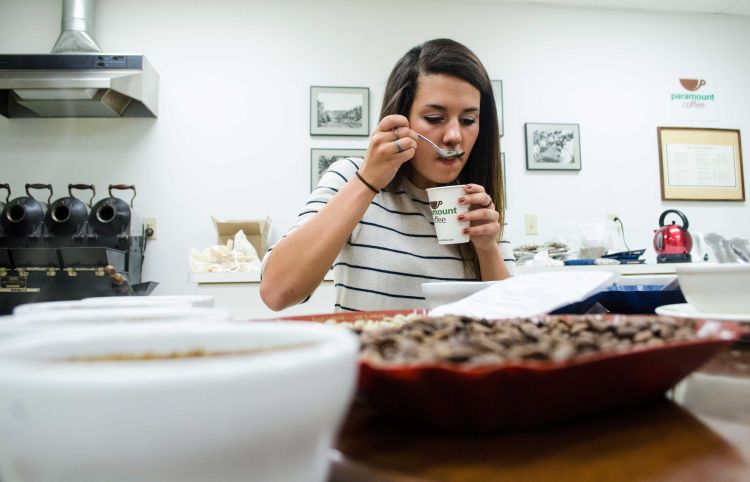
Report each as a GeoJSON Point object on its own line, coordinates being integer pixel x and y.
{"type": "Point", "coordinates": [562, 351]}
{"type": "Point", "coordinates": [579, 327]}
{"type": "Point", "coordinates": [626, 331]}
{"type": "Point", "coordinates": [642, 335]}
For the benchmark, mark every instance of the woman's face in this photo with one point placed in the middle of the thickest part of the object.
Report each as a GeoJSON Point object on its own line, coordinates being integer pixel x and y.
{"type": "Point", "coordinates": [446, 111]}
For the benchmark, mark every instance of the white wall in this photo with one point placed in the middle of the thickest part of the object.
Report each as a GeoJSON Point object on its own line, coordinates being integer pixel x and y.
{"type": "Point", "coordinates": [232, 134]}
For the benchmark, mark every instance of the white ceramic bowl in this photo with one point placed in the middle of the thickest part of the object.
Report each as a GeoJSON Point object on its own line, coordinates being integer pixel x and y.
{"type": "Point", "coordinates": [443, 292]}
{"type": "Point", "coordinates": [204, 301]}
{"type": "Point", "coordinates": [266, 416]}
{"type": "Point", "coordinates": [698, 392]}
{"type": "Point", "coordinates": [33, 322]}
{"type": "Point", "coordinates": [716, 288]}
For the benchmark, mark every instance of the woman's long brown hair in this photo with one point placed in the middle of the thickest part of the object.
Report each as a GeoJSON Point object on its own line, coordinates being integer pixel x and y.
{"type": "Point", "coordinates": [445, 56]}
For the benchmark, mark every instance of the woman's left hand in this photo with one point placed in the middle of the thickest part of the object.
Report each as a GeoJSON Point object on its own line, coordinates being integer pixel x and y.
{"type": "Point", "coordinates": [484, 228]}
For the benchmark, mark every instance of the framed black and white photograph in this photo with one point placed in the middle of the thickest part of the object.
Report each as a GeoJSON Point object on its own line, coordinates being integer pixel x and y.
{"type": "Point", "coordinates": [497, 91]}
{"type": "Point", "coordinates": [321, 159]}
{"type": "Point", "coordinates": [553, 147]}
{"type": "Point", "coordinates": [505, 180]}
{"type": "Point", "coordinates": [339, 111]}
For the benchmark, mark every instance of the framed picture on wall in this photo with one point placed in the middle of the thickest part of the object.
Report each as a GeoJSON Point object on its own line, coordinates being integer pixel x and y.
{"type": "Point", "coordinates": [339, 111]}
{"type": "Point", "coordinates": [553, 147]}
{"type": "Point", "coordinates": [700, 164]}
{"type": "Point", "coordinates": [321, 159]}
{"type": "Point", "coordinates": [497, 91]}
{"type": "Point", "coordinates": [505, 180]}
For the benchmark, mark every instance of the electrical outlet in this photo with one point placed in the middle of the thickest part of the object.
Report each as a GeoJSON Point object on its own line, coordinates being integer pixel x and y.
{"type": "Point", "coordinates": [531, 224]}
{"type": "Point", "coordinates": [150, 226]}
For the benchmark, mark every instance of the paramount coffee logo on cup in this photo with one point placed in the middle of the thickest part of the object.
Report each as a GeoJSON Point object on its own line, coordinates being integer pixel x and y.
{"type": "Point", "coordinates": [445, 211]}
{"type": "Point", "coordinates": [438, 213]}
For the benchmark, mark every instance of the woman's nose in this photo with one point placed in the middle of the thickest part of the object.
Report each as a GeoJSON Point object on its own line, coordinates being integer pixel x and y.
{"type": "Point", "coordinates": [452, 134]}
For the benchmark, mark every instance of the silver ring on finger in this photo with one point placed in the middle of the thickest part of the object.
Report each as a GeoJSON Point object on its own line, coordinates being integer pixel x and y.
{"type": "Point", "coordinates": [489, 203]}
{"type": "Point", "coordinates": [395, 134]}
{"type": "Point", "coordinates": [398, 146]}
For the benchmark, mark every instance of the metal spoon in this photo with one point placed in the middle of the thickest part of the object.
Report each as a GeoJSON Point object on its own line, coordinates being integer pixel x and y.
{"type": "Point", "coordinates": [443, 153]}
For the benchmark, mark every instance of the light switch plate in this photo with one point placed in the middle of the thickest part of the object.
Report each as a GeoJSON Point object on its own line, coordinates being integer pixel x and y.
{"type": "Point", "coordinates": [531, 224]}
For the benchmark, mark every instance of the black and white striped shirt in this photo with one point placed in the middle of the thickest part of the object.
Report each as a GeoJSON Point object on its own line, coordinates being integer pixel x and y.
{"type": "Point", "coordinates": [393, 249]}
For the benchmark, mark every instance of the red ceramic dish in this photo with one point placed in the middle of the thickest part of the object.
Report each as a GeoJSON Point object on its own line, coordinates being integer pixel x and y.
{"type": "Point", "coordinates": [456, 398]}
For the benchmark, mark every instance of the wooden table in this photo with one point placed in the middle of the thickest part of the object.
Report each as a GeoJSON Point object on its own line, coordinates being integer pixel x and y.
{"type": "Point", "coordinates": [699, 432]}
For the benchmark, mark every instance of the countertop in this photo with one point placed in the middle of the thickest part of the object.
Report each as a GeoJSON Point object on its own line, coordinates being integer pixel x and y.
{"type": "Point", "coordinates": [234, 277]}
{"type": "Point", "coordinates": [623, 269]}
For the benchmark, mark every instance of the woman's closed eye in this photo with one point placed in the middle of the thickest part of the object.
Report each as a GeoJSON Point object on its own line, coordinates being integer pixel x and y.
{"type": "Point", "coordinates": [437, 119]}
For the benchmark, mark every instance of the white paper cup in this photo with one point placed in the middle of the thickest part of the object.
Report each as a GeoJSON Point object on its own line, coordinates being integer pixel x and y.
{"type": "Point", "coordinates": [445, 211]}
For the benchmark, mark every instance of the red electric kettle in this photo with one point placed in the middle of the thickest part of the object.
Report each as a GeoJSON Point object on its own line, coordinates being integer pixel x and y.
{"type": "Point", "coordinates": [672, 242]}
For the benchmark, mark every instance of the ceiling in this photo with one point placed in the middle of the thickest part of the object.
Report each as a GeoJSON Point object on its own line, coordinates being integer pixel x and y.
{"type": "Point", "coordinates": [725, 7]}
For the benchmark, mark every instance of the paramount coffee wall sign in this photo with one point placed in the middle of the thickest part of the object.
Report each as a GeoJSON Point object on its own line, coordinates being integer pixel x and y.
{"type": "Point", "coordinates": [693, 98]}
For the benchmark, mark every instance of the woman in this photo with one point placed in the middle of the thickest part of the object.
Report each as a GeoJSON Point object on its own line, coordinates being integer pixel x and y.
{"type": "Point", "coordinates": [370, 219]}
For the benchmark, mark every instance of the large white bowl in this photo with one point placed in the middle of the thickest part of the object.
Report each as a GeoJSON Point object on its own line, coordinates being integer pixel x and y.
{"type": "Point", "coordinates": [716, 288]}
{"type": "Point", "coordinates": [203, 301]}
{"type": "Point", "coordinates": [267, 416]}
{"type": "Point", "coordinates": [33, 322]}
{"type": "Point", "coordinates": [444, 292]}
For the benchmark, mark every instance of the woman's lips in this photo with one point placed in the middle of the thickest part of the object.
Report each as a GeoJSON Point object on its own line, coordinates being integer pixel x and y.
{"type": "Point", "coordinates": [448, 162]}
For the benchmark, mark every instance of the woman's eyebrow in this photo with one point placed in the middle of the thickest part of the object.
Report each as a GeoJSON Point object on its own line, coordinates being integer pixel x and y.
{"type": "Point", "coordinates": [444, 109]}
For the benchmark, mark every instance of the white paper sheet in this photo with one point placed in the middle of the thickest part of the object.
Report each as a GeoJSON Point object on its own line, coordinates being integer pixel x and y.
{"type": "Point", "coordinates": [701, 165]}
{"type": "Point", "coordinates": [529, 295]}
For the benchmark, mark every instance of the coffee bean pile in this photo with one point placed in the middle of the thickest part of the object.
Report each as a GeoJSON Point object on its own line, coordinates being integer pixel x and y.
{"type": "Point", "coordinates": [358, 326]}
{"type": "Point", "coordinates": [464, 340]}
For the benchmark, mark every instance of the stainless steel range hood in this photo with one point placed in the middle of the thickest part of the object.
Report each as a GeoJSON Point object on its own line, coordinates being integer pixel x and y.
{"type": "Point", "coordinates": [77, 85]}
{"type": "Point", "coordinates": [77, 80]}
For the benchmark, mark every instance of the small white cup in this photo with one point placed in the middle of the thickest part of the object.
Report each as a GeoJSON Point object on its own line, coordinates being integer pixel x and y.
{"type": "Point", "coordinates": [445, 211]}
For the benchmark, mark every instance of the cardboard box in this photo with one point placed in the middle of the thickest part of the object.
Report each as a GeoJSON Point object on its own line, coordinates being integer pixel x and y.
{"type": "Point", "coordinates": [256, 231]}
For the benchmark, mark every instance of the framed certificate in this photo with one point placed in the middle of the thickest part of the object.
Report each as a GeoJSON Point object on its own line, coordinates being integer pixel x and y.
{"type": "Point", "coordinates": [700, 164]}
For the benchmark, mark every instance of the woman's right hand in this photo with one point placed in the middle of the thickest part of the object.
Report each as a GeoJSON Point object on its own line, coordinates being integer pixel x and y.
{"type": "Point", "coordinates": [392, 144]}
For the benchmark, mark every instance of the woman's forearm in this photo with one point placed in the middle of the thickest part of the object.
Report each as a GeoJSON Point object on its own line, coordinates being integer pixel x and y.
{"type": "Point", "coordinates": [299, 262]}
{"type": "Point", "coordinates": [492, 266]}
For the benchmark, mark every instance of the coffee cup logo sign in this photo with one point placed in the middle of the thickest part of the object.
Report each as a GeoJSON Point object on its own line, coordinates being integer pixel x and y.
{"type": "Point", "coordinates": [435, 204]}
{"type": "Point", "coordinates": [692, 84]}
{"type": "Point", "coordinates": [692, 99]}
